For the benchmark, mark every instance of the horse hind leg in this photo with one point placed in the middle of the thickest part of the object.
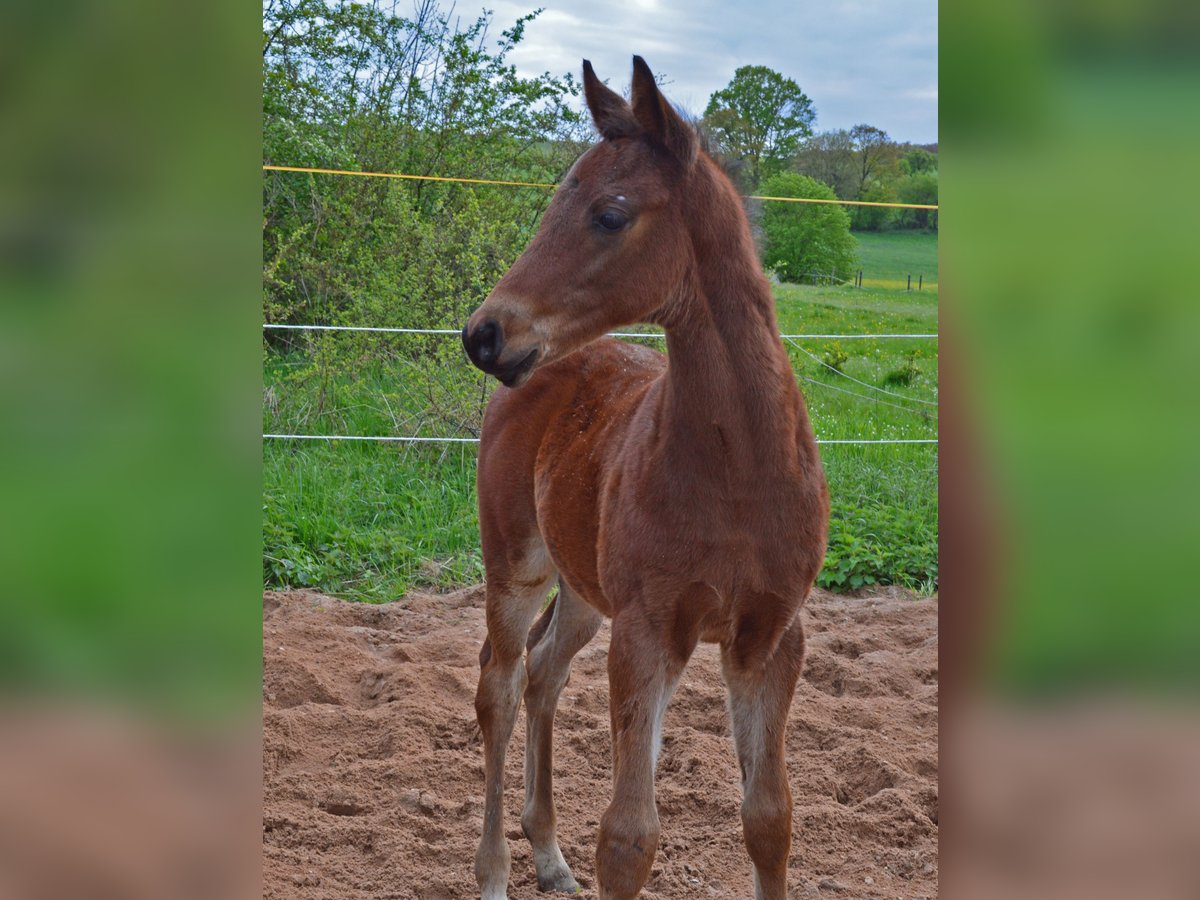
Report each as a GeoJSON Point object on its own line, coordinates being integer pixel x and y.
{"type": "Point", "coordinates": [564, 629]}
{"type": "Point", "coordinates": [760, 695]}
{"type": "Point", "coordinates": [513, 599]}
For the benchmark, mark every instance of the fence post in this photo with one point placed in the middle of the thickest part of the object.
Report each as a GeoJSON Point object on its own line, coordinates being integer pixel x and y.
{"type": "Point", "coordinates": [920, 280]}
{"type": "Point", "coordinates": [909, 288]}
{"type": "Point", "coordinates": [860, 277]}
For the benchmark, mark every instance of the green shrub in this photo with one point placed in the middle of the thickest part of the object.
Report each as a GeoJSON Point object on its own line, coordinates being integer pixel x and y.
{"type": "Point", "coordinates": [835, 356]}
{"type": "Point", "coordinates": [879, 544]}
{"type": "Point", "coordinates": [805, 238]}
{"type": "Point", "coordinates": [400, 253]}
{"type": "Point", "coordinates": [905, 373]}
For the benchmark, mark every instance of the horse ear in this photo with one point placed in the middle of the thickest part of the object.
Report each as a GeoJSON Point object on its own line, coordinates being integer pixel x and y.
{"type": "Point", "coordinates": [658, 119]}
{"type": "Point", "coordinates": [610, 112]}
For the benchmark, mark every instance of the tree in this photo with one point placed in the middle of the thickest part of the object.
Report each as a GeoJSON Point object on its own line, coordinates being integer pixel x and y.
{"type": "Point", "coordinates": [875, 218]}
{"type": "Point", "coordinates": [805, 238]}
{"type": "Point", "coordinates": [876, 155]}
{"type": "Point", "coordinates": [917, 160]}
{"type": "Point", "coordinates": [920, 188]}
{"type": "Point", "coordinates": [830, 157]}
{"type": "Point", "coordinates": [760, 117]}
{"type": "Point", "coordinates": [357, 86]}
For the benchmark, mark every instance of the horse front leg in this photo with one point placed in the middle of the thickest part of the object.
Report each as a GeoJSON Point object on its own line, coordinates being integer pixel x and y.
{"type": "Point", "coordinates": [761, 682]}
{"type": "Point", "coordinates": [642, 675]}
{"type": "Point", "coordinates": [571, 624]}
{"type": "Point", "coordinates": [510, 612]}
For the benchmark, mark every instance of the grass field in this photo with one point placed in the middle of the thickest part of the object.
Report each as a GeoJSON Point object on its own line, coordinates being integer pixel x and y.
{"type": "Point", "coordinates": [370, 520]}
{"type": "Point", "coordinates": [887, 258]}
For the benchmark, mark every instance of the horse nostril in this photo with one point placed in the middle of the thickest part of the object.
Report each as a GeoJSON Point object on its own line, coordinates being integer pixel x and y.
{"type": "Point", "coordinates": [484, 343]}
{"type": "Point", "coordinates": [488, 342]}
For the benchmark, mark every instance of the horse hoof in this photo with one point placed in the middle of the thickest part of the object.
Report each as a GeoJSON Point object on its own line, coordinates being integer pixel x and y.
{"type": "Point", "coordinates": [562, 881]}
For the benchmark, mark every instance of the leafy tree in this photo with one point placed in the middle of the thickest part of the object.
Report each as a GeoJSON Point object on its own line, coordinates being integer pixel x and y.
{"type": "Point", "coordinates": [876, 155]}
{"type": "Point", "coordinates": [921, 188]}
{"type": "Point", "coordinates": [356, 86]}
{"type": "Point", "coordinates": [760, 117]}
{"type": "Point", "coordinates": [805, 238]}
{"type": "Point", "coordinates": [917, 160]}
{"type": "Point", "coordinates": [875, 218]}
{"type": "Point", "coordinates": [830, 157]}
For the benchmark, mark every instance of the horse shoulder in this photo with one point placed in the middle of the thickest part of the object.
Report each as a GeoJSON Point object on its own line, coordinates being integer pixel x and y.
{"type": "Point", "coordinates": [579, 448]}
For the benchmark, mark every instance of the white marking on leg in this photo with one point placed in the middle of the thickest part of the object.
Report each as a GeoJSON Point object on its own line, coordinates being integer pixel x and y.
{"type": "Point", "coordinates": [537, 563]}
{"type": "Point", "coordinates": [749, 734]}
{"type": "Point", "coordinates": [664, 700]}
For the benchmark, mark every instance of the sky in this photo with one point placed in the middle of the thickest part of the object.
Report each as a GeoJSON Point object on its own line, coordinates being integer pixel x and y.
{"type": "Point", "coordinates": [872, 61]}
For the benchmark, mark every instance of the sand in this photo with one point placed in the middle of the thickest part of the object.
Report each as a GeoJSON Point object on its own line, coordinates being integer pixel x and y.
{"type": "Point", "coordinates": [373, 770]}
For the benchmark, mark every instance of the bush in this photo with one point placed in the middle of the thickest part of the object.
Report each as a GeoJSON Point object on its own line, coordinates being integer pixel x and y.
{"type": "Point", "coordinates": [400, 253]}
{"type": "Point", "coordinates": [365, 251]}
{"type": "Point", "coordinates": [803, 238]}
{"type": "Point", "coordinates": [905, 374]}
{"type": "Point", "coordinates": [835, 356]}
{"type": "Point", "coordinates": [877, 544]}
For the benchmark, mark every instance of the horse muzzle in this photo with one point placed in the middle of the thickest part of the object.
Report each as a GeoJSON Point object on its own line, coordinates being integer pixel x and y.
{"type": "Point", "coordinates": [485, 348]}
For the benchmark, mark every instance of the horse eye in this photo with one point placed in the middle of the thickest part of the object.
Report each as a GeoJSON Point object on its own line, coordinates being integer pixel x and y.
{"type": "Point", "coordinates": [612, 220]}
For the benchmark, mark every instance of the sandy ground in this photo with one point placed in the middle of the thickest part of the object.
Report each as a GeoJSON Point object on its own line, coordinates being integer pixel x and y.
{"type": "Point", "coordinates": [373, 768]}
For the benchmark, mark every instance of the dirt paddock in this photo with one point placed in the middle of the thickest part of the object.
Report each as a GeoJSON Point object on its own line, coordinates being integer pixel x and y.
{"type": "Point", "coordinates": [373, 767]}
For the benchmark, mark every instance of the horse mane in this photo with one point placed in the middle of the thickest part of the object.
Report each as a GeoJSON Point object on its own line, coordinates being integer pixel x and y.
{"type": "Point", "coordinates": [733, 169]}
{"type": "Point", "coordinates": [731, 166]}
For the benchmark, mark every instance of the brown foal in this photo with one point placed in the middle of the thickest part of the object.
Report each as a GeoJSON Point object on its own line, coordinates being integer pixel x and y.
{"type": "Point", "coordinates": [681, 496]}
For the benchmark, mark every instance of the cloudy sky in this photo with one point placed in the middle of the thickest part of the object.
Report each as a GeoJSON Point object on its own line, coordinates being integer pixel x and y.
{"type": "Point", "coordinates": [872, 61]}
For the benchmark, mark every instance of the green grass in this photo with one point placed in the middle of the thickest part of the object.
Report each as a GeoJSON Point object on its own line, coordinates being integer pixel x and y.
{"type": "Point", "coordinates": [370, 521]}
{"type": "Point", "coordinates": [884, 498]}
{"type": "Point", "coordinates": [887, 258]}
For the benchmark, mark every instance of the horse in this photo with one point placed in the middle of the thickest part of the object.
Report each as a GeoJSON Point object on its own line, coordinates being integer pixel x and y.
{"type": "Point", "coordinates": [682, 497]}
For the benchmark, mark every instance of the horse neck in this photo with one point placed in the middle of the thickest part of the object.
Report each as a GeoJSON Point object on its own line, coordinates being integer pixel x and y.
{"type": "Point", "coordinates": [726, 365]}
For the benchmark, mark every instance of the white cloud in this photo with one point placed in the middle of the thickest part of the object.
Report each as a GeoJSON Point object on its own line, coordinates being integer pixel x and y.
{"type": "Point", "coordinates": [869, 61]}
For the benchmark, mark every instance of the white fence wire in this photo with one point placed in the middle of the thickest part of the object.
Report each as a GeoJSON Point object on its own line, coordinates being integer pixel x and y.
{"type": "Point", "coordinates": [616, 334]}
{"type": "Point", "coordinates": [872, 387]}
{"type": "Point", "coordinates": [790, 338]}
{"type": "Point", "coordinates": [462, 440]}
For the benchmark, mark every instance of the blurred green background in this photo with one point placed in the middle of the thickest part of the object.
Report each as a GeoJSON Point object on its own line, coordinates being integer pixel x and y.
{"type": "Point", "coordinates": [1070, 213]}
{"type": "Point", "coordinates": [129, 353]}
